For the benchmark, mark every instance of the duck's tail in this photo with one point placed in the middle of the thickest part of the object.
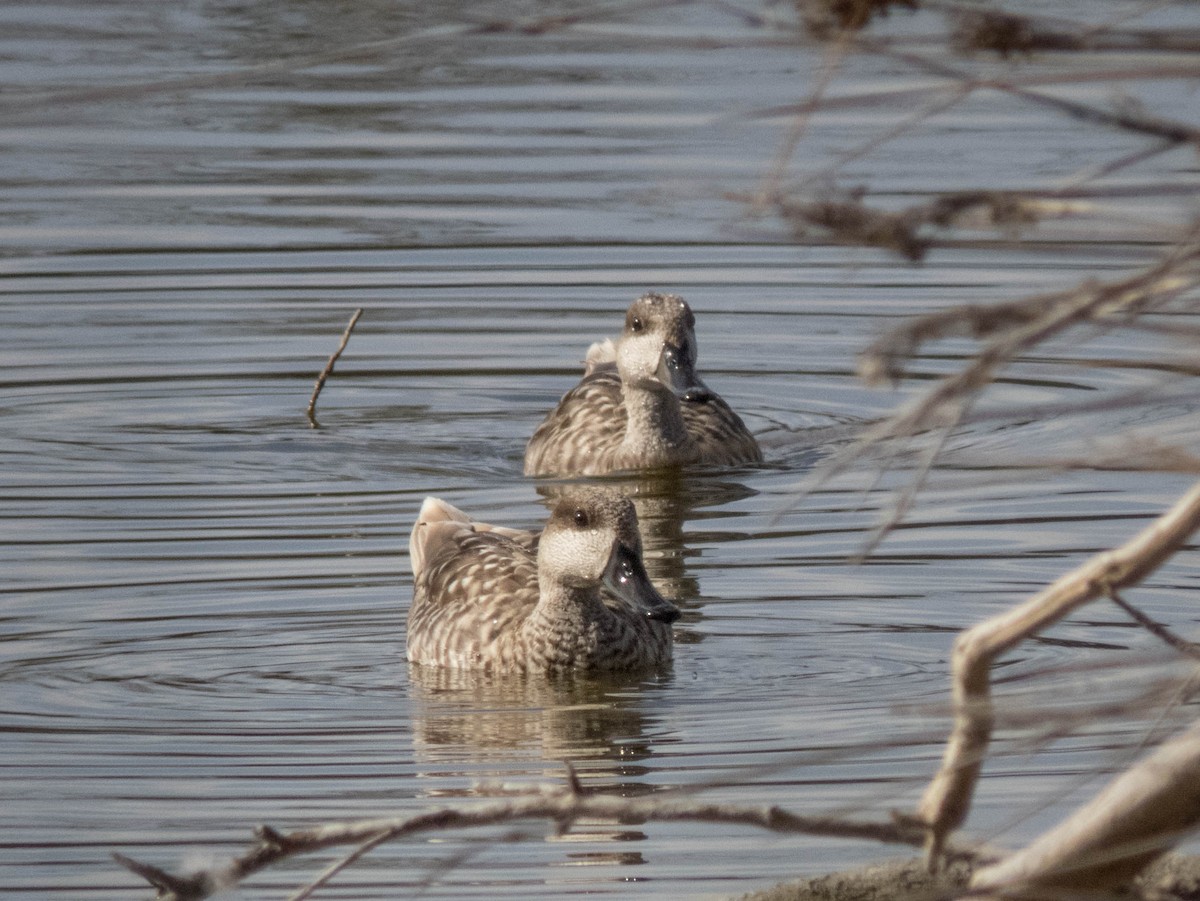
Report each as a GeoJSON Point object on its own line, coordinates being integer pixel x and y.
{"type": "Point", "coordinates": [601, 355]}
{"type": "Point", "coordinates": [433, 511]}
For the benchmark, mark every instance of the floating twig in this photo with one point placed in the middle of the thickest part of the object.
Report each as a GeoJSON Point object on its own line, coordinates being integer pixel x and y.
{"type": "Point", "coordinates": [312, 403]}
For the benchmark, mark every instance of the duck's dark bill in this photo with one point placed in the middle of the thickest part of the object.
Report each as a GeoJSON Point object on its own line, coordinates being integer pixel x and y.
{"type": "Point", "coordinates": [677, 369]}
{"type": "Point", "coordinates": [626, 578]}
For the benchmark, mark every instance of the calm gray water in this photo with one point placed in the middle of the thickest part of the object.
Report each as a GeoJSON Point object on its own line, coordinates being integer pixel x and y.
{"type": "Point", "coordinates": [203, 599]}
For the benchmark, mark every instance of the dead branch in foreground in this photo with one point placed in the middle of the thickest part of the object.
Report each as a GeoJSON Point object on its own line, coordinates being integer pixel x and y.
{"type": "Point", "coordinates": [1146, 810]}
{"type": "Point", "coordinates": [563, 805]}
{"type": "Point", "coordinates": [948, 797]}
{"type": "Point", "coordinates": [1110, 839]}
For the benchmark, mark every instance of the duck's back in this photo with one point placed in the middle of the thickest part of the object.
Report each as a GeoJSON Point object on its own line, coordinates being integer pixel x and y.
{"type": "Point", "coordinates": [472, 587]}
{"type": "Point", "coordinates": [582, 434]}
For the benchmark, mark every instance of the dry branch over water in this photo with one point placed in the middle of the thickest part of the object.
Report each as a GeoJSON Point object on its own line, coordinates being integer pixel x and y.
{"type": "Point", "coordinates": [1155, 803]}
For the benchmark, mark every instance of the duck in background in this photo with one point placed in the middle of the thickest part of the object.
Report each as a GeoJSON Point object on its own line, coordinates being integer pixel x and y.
{"type": "Point", "coordinates": [641, 405]}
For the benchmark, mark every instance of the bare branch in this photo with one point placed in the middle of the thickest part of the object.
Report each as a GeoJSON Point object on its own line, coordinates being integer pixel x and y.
{"type": "Point", "coordinates": [1182, 645]}
{"type": "Point", "coordinates": [1010, 329]}
{"type": "Point", "coordinates": [852, 222]}
{"type": "Point", "coordinates": [1024, 323]}
{"type": "Point", "coordinates": [365, 848]}
{"type": "Point", "coordinates": [178, 888]}
{"type": "Point", "coordinates": [1008, 33]}
{"type": "Point", "coordinates": [829, 18]}
{"type": "Point", "coordinates": [1123, 119]}
{"type": "Point", "coordinates": [783, 156]}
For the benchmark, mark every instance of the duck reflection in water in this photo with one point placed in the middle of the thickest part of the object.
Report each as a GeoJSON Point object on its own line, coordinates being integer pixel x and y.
{"type": "Point", "coordinates": [542, 718]}
{"type": "Point", "coordinates": [521, 726]}
{"type": "Point", "coordinates": [504, 600]}
{"type": "Point", "coordinates": [641, 404]}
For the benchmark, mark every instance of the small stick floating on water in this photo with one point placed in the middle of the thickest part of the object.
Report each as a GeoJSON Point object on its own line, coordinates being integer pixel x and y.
{"type": "Point", "coordinates": [312, 402]}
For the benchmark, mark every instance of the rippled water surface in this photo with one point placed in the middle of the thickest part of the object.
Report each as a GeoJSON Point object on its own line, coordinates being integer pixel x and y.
{"type": "Point", "coordinates": [204, 598]}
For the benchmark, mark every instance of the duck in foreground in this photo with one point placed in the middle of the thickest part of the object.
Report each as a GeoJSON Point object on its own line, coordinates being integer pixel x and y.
{"type": "Point", "coordinates": [641, 404]}
{"type": "Point", "coordinates": [491, 598]}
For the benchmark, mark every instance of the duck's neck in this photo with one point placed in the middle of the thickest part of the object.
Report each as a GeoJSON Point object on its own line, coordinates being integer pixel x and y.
{"type": "Point", "coordinates": [574, 628]}
{"type": "Point", "coordinates": [655, 432]}
{"type": "Point", "coordinates": [564, 607]}
{"type": "Point", "coordinates": [568, 628]}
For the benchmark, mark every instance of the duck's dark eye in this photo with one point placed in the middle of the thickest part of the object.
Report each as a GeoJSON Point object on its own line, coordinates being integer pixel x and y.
{"type": "Point", "coordinates": [581, 518]}
{"type": "Point", "coordinates": [635, 324]}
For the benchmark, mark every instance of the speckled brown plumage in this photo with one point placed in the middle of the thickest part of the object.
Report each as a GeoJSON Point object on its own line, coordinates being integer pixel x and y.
{"type": "Point", "coordinates": [504, 600]}
{"type": "Point", "coordinates": [641, 404]}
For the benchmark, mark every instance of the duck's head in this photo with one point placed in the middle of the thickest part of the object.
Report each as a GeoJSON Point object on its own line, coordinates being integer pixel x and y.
{"type": "Point", "coordinates": [657, 349]}
{"type": "Point", "coordinates": [592, 540]}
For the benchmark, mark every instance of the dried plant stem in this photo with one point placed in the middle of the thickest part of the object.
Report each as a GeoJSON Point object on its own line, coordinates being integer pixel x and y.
{"type": "Point", "coordinates": [562, 805]}
{"type": "Point", "coordinates": [947, 799]}
{"type": "Point", "coordinates": [1005, 331]}
{"type": "Point", "coordinates": [1015, 326]}
{"type": "Point", "coordinates": [312, 402]}
{"type": "Point", "coordinates": [1139, 123]}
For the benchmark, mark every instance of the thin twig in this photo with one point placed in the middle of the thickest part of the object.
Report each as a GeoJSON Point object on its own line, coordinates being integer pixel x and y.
{"type": "Point", "coordinates": [830, 66]}
{"type": "Point", "coordinates": [1182, 645]}
{"type": "Point", "coordinates": [312, 403]}
{"type": "Point", "coordinates": [337, 867]}
{"type": "Point", "coordinates": [1178, 132]}
{"type": "Point", "coordinates": [179, 888]}
{"type": "Point", "coordinates": [1008, 330]}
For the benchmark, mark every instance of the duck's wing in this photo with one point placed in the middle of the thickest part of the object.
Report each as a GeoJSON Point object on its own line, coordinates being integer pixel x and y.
{"type": "Point", "coordinates": [524, 537]}
{"type": "Point", "coordinates": [588, 423]}
{"type": "Point", "coordinates": [718, 432]}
